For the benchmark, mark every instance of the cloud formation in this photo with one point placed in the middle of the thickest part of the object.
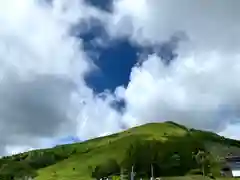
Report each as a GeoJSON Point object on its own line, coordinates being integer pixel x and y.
{"type": "Point", "coordinates": [207, 24]}
{"type": "Point", "coordinates": [42, 91]}
{"type": "Point", "coordinates": [200, 88]}
{"type": "Point", "coordinates": [42, 66]}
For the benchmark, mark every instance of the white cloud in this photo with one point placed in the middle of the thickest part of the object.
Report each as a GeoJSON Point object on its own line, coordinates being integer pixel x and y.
{"type": "Point", "coordinates": [18, 149]}
{"type": "Point", "coordinates": [42, 91]}
{"type": "Point", "coordinates": [193, 91]}
{"type": "Point", "coordinates": [232, 131]}
{"type": "Point", "coordinates": [212, 24]}
{"type": "Point", "coordinates": [98, 118]}
{"type": "Point", "coordinates": [201, 87]}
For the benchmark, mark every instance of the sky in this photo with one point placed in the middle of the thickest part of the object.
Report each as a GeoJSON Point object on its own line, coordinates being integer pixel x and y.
{"type": "Point", "coordinates": [71, 70]}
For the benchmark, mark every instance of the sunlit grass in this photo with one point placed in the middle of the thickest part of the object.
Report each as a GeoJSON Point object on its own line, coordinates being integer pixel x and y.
{"type": "Point", "coordinates": [96, 151]}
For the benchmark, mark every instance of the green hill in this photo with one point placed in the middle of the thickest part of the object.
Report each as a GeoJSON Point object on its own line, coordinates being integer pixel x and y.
{"type": "Point", "coordinates": [75, 161]}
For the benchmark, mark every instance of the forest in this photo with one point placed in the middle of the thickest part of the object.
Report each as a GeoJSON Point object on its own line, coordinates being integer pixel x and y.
{"type": "Point", "coordinates": [176, 157]}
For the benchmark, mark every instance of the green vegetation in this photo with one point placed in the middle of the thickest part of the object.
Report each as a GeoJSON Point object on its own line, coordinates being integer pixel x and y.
{"type": "Point", "coordinates": [172, 149]}
{"type": "Point", "coordinates": [109, 168]}
{"type": "Point", "coordinates": [203, 160]}
{"type": "Point", "coordinates": [170, 158]}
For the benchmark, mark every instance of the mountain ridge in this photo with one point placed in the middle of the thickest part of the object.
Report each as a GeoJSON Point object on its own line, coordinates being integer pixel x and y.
{"type": "Point", "coordinates": [74, 160]}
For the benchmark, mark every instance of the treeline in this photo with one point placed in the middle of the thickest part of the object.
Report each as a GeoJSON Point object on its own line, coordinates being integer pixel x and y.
{"type": "Point", "coordinates": [27, 164]}
{"type": "Point", "coordinates": [175, 157]}
{"type": "Point", "coordinates": [110, 168]}
{"type": "Point", "coordinates": [213, 137]}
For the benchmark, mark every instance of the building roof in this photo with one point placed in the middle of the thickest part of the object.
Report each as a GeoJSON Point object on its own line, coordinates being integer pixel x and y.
{"type": "Point", "coordinates": [236, 173]}
{"type": "Point", "coordinates": [232, 158]}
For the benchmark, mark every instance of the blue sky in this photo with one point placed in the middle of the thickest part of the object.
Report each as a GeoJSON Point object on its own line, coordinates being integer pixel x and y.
{"type": "Point", "coordinates": [116, 58]}
{"type": "Point", "coordinates": [66, 140]}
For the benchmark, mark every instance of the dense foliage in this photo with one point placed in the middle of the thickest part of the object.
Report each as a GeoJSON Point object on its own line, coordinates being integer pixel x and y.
{"type": "Point", "coordinates": [27, 164]}
{"type": "Point", "coordinates": [169, 148]}
{"type": "Point", "coordinates": [13, 170]}
{"type": "Point", "coordinates": [109, 168]}
{"type": "Point", "coordinates": [174, 157]}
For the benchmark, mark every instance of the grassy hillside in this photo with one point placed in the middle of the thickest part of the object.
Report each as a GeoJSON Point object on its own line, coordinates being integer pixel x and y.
{"type": "Point", "coordinates": [196, 178]}
{"type": "Point", "coordinates": [75, 161]}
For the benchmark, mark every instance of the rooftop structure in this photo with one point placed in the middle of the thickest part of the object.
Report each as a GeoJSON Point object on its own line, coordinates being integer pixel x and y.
{"type": "Point", "coordinates": [232, 158]}
{"type": "Point", "coordinates": [232, 166]}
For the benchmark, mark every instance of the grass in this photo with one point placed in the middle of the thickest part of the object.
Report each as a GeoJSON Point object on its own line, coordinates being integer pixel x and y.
{"type": "Point", "coordinates": [112, 146]}
{"type": "Point", "coordinates": [96, 151]}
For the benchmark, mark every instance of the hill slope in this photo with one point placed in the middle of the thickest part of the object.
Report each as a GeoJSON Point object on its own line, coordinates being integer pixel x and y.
{"type": "Point", "coordinates": [74, 161]}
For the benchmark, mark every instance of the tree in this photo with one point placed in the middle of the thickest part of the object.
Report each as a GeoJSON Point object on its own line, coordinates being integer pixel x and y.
{"type": "Point", "coordinates": [173, 157]}
{"type": "Point", "coordinates": [203, 161]}
{"type": "Point", "coordinates": [18, 169]}
{"type": "Point", "coordinates": [142, 155]}
{"type": "Point", "coordinates": [110, 167]}
{"type": "Point", "coordinates": [42, 160]}
{"type": "Point", "coordinates": [96, 173]}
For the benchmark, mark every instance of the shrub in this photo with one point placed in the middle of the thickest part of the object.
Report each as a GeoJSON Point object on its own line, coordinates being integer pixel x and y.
{"type": "Point", "coordinates": [110, 167]}
{"type": "Point", "coordinates": [16, 169]}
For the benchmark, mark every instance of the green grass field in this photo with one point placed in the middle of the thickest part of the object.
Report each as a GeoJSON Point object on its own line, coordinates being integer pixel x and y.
{"type": "Point", "coordinates": [93, 152]}
{"type": "Point", "coordinates": [101, 148]}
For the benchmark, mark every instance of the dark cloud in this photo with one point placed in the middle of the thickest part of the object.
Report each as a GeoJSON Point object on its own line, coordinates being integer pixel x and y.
{"type": "Point", "coordinates": [37, 107]}
{"type": "Point", "coordinates": [105, 5]}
